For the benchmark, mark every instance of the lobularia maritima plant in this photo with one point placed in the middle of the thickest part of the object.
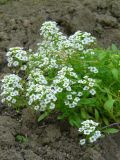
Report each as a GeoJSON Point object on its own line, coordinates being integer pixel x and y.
{"type": "Point", "coordinates": [69, 75]}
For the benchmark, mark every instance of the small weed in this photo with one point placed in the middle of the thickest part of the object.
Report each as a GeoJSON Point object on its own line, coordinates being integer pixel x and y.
{"type": "Point", "coordinates": [21, 138]}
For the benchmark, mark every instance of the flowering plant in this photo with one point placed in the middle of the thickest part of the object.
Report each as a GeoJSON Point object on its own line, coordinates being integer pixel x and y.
{"type": "Point", "coordinates": [69, 75]}
{"type": "Point", "coordinates": [89, 130]}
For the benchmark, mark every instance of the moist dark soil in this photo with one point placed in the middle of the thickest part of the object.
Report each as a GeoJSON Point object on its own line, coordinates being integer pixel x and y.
{"type": "Point", "coordinates": [21, 136]}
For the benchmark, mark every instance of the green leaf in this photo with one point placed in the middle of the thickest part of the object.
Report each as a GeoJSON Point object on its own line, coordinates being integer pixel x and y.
{"type": "Point", "coordinates": [88, 101]}
{"type": "Point", "coordinates": [109, 104]}
{"type": "Point", "coordinates": [74, 123]}
{"type": "Point", "coordinates": [97, 116]}
{"type": "Point", "coordinates": [61, 117]}
{"type": "Point", "coordinates": [102, 56]}
{"type": "Point", "coordinates": [111, 130]}
{"type": "Point", "coordinates": [74, 120]}
{"type": "Point", "coordinates": [84, 114]}
{"type": "Point", "coordinates": [43, 116]}
{"type": "Point", "coordinates": [21, 138]}
{"type": "Point", "coordinates": [106, 121]}
{"type": "Point", "coordinates": [115, 73]}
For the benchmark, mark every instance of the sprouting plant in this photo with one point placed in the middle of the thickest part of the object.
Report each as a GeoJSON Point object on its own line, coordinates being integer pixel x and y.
{"type": "Point", "coordinates": [69, 75]}
{"type": "Point", "coordinates": [21, 138]}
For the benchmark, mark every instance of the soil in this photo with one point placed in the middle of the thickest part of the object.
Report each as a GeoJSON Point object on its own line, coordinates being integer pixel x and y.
{"type": "Point", "coordinates": [20, 21]}
{"type": "Point", "coordinates": [48, 140]}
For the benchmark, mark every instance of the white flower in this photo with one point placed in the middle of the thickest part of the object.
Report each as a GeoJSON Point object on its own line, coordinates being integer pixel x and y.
{"type": "Point", "coordinates": [30, 50]}
{"type": "Point", "coordinates": [84, 82]}
{"type": "Point", "coordinates": [52, 106]}
{"type": "Point", "coordinates": [15, 63]}
{"type": "Point", "coordinates": [97, 134]}
{"type": "Point", "coordinates": [3, 100]}
{"type": "Point", "coordinates": [13, 100]}
{"type": "Point", "coordinates": [68, 88]}
{"type": "Point", "coordinates": [77, 99]}
{"type": "Point", "coordinates": [80, 81]}
{"type": "Point", "coordinates": [80, 129]}
{"type": "Point", "coordinates": [92, 92]}
{"type": "Point", "coordinates": [72, 105]}
{"type": "Point", "coordinates": [92, 128]}
{"type": "Point", "coordinates": [85, 77]}
{"type": "Point", "coordinates": [82, 142]}
{"type": "Point", "coordinates": [87, 132]}
{"type": "Point", "coordinates": [79, 94]}
{"type": "Point", "coordinates": [24, 67]}
{"type": "Point", "coordinates": [69, 97]}
{"type": "Point", "coordinates": [9, 64]}
{"type": "Point", "coordinates": [93, 69]}
{"type": "Point", "coordinates": [43, 108]}
{"type": "Point", "coordinates": [16, 93]}
{"type": "Point", "coordinates": [36, 108]}
{"type": "Point", "coordinates": [91, 84]}
{"type": "Point", "coordinates": [9, 98]}
{"type": "Point", "coordinates": [92, 139]}
{"type": "Point", "coordinates": [85, 88]}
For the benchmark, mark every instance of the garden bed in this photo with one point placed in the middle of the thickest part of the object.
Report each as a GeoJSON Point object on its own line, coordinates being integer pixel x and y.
{"type": "Point", "coordinates": [53, 140]}
{"type": "Point", "coordinates": [21, 137]}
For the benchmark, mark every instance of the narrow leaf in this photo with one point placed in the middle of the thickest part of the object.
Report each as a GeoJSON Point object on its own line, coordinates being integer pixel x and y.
{"type": "Point", "coordinates": [106, 121]}
{"type": "Point", "coordinates": [111, 130]}
{"type": "Point", "coordinates": [84, 114]}
{"type": "Point", "coordinates": [115, 73]}
{"type": "Point", "coordinates": [97, 116]}
{"type": "Point", "coordinates": [43, 116]}
{"type": "Point", "coordinates": [109, 105]}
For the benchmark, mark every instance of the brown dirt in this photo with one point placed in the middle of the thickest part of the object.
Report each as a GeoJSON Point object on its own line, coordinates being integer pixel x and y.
{"type": "Point", "coordinates": [20, 21]}
{"type": "Point", "coordinates": [48, 140]}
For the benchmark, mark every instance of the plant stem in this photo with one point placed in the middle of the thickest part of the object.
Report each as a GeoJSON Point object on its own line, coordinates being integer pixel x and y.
{"type": "Point", "coordinates": [111, 125]}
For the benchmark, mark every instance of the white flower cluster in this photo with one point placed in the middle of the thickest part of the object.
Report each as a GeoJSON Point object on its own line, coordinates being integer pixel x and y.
{"type": "Point", "coordinates": [41, 94]}
{"type": "Point", "coordinates": [93, 69]}
{"type": "Point", "coordinates": [52, 37]}
{"type": "Point", "coordinates": [88, 51]}
{"type": "Point", "coordinates": [55, 47]}
{"type": "Point", "coordinates": [43, 61]}
{"type": "Point", "coordinates": [11, 88]}
{"type": "Point", "coordinates": [72, 99]}
{"type": "Point", "coordinates": [47, 71]}
{"type": "Point", "coordinates": [66, 78]}
{"type": "Point", "coordinates": [79, 40]}
{"type": "Point", "coordinates": [49, 29]}
{"type": "Point", "coordinates": [89, 129]}
{"type": "Point", "coordinates": [17, 57]}
{"type": "Point", "coordinates": [57, 42]}
{"type": "Point", "coordinates": [88, 84]}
